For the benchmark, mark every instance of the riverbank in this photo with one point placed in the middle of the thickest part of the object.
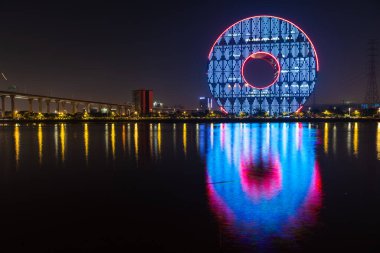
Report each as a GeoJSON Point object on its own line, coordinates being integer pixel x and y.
{"type": "Point", "coordinates": [191, 120]}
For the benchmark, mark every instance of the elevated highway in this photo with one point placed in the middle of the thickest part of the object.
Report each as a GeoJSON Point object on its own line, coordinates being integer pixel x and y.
{"type": "Point", "coordinates": [60, 103]}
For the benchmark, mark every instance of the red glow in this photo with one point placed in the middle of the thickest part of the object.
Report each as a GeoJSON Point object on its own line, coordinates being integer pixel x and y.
{"type": "Point", "coordinates": [268, 58]}
{"type": "Point", "coordinates": [264, 186]}
{"type": "Point", "coordinates": [218, 205]}
{"type": "Point", "coordinates": [313, 200]}
{"type": "Point", "coordinates": [299, 135]}
{"type": "Point", "coordinates": [299, 109]}
{"type": "Point", "coordinates": [223, 110]}
{"type": "Point", "coordinates": [269, 16]}
{"type": "Point", "coordinates": [222, 135]}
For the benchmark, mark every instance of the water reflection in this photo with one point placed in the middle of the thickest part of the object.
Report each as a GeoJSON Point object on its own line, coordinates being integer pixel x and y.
{"type": "Point", "coordinates": [174, 139]}
{"type": "Point", "coordinates": [378, 141]}
{"type": "Point", "coordinates": [106, 140]}
{"type": "Point", "coordinates": [123, 137]}
{"type": "Point", "coordinates": [262, 182]}
{"type": "Point", "coordinates": [349, 138]}
{"type": "Point", "coordinates": [298, 135]}
{"type": "Point", "coordinates": [326, 138]}
{"type": "Point", "coordinates": [184, 137]}
{"type": "Point", "coordinates": [159, 138]}
{"type": "Point", "coordinates": [334, 139]}
{"type": "Point", "coordinates": [85, 136]}
{"type": "Point", "coordinates": [155, 140]}
{"type": "Point", "coordinates": [63, 141]}
{"type": "Point", "coordinates": [40, 141]}
{"type": "Point", "coordinates": [212, 134]}
{"type": "Point", "coordinates": [56, 142]}
{"type": "Point", "coordinates": [113, 145]}
{"type": "Point", "coordinates": [16, 137]}
{"type": "Point", "coordinates": [129, 139]}
{"type": "Point", "coordinates": [197, 136]}
{"type": "Point", "coordinates": [356, 138]}
{"type": "Point", "coordinates": [136, 141]}
{"type": "Point", "coordinates": [151, 138]}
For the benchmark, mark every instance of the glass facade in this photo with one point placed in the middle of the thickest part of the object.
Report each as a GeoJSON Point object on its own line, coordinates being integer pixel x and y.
{"type": "Point", "coordinates": [280, 38]}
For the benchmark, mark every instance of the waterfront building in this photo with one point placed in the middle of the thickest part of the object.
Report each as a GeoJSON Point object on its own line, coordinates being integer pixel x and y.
{"type": "Point", "coordinates": [205, 103]}
{"type": "Point", "coordinates": [272, 40]}
{"type": "Point", "coordinates": [143, 100]}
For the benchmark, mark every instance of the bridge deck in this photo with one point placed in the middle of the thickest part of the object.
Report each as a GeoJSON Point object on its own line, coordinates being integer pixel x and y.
{"type": "Point", "coordinates": [21, 95]}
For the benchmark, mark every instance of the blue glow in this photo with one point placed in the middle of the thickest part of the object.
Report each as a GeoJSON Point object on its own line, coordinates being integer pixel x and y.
{"type": "Point", "coordinates": [296, 58]}
{"type": "Point", "coordinates": [263, 178]}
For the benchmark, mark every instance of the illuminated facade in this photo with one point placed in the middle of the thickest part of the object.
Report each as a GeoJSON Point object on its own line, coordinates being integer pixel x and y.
{"type": "Point", "coordinates": [276, 41]}
{"type": "Point", "coordinates": [205, 103]}
{"type": "Point", "coordinates": [143, 100]}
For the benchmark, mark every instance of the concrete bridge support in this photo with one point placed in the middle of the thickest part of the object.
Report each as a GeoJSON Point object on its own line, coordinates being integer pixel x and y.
{"type": "Point", "coordinates": [58, 104]}
{"type": "Point", "coordinates": [13, 106]}
{"type": "Point", "coordinates": [40, 105]}
{"type": "Point", "coordinates": [63, 104]}
{"type": "Point", "coordinates": [47, 101]}
{"type": "Point", "coordinates": [74, 107]}
{"type": "Point", "coordinates": [3, 106]}
{"type": "Point", "coordinates": [30, 100]}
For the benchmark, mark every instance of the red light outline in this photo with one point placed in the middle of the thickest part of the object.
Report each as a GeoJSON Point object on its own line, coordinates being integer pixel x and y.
{"type": "Point", "coordinates": [299, 109]}
{"type": "Point", "coordinates": [252, 56]}
{"type": "Point", "coordinates": [269, 16]}
{"type": "Point", "coordinates": [223, 110]}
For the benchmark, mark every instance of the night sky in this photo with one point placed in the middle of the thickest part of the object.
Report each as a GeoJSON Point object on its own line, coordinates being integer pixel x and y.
{"type": "Point", "coordinates": [103, 50]}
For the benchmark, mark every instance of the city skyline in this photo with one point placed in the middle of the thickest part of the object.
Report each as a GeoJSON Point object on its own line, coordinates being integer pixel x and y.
{"type": "Point", "coordinates": [103, 51]}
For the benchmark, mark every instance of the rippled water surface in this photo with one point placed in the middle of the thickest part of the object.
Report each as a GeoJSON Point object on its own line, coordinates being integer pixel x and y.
{"type": "Point", "coordinates": [260, 187]}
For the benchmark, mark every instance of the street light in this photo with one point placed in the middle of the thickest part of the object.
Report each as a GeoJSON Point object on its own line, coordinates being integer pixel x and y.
{"type": "Point", "coordinates": [349, 112]}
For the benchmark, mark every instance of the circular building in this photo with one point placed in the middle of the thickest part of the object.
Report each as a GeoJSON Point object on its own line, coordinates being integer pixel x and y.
{"type": "Point", "coordinates": [275, 42]}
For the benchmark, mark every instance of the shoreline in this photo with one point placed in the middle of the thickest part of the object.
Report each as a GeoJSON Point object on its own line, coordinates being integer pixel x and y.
{"type": "Point", "coordinates": [194, 120]}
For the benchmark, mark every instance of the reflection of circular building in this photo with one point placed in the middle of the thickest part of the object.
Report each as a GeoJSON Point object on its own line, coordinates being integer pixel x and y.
{"type": "Point", "coordinates": [263, 180]}
{"type": "Point", "coordinates": [275, 41]}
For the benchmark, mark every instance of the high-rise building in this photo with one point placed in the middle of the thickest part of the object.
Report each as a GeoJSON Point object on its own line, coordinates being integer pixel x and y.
{"type": "Point", "coordinates": [205, 103]}
{"type": "Point", "coordinates": [143, 100]}
{"type": "Point", "coordinates": [283, 45]}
